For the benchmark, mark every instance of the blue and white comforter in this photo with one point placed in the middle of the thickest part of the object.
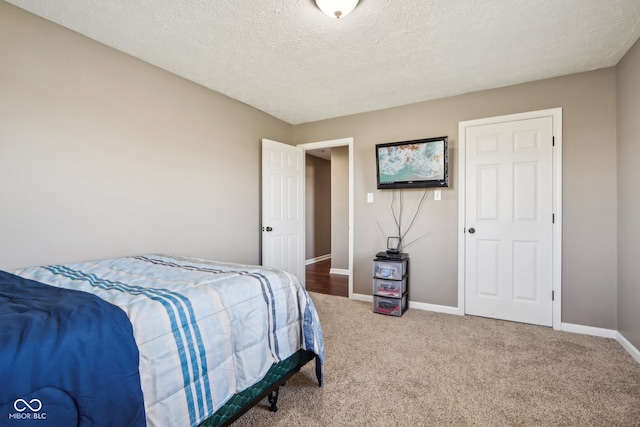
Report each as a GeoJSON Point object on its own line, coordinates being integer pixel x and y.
{"type": "Point", "coordinates": [67, 358]}
{"type": "Point", "coordinates": [204, 330]}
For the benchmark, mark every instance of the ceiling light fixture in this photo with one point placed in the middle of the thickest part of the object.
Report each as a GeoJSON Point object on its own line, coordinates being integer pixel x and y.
{"type": "Point", "coordinates": [336, 8]}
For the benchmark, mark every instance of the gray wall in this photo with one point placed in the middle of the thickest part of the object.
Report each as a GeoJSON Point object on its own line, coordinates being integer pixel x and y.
{"type": "Point", "coordinates": [628, 115]}
{"type": "Point", "coordinates": [318, 207]}
{"type": "Point", "coordinates": [340, 208]}
{"type": "Point", "coordinates": [105, 155]}
{"type": "Point", "coordinates": [589, 188]}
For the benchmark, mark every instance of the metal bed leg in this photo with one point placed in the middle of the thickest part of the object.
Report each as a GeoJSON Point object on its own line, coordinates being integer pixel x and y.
{"type": "Point", "coordinates": [273, 400]}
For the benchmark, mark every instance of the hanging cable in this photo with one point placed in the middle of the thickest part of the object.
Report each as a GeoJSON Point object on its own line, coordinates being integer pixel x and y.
{"type": "Point", "coordinates": [393, 211]}
{"type": "Point", "coordinates": [413, 220]}
{"type": "Point", "coordinates": [397, 216]}
{"type": "Point", "coordinates": [400, 221]}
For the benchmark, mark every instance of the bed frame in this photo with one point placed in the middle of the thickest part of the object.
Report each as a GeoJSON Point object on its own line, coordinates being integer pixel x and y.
{"type": "Point", "coordinates": [268, 387]}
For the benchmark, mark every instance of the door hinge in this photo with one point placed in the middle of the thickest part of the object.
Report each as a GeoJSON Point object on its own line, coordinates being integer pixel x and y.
{"type": "Point", "coordinates": [553, 295]}
{"type": "Point", "coordinates": [553, 141]}
{"type": "Point", "coordinates": [553, 218]}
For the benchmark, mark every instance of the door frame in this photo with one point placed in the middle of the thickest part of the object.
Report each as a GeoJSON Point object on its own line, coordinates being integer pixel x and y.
{"type": "Point", "coordinates": [329, 144]}
{"type": "Point", "coordinates": [556, 115]}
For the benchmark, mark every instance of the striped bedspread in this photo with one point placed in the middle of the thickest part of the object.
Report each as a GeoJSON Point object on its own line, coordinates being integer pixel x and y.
{"type": "Point", "coordinates": [205, 330]}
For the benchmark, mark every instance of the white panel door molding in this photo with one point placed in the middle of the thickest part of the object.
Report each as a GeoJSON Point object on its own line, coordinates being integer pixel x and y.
{"type": "Point", "coordinates": [509, 218]}
{"type": "Point", "coordinates": [283, 207]}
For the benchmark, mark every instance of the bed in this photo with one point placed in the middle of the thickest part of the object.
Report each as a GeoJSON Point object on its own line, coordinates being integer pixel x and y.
{"type": "Point", "coordinates": [149, 340]}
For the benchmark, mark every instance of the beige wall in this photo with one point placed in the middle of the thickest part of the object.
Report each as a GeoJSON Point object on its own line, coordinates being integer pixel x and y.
{"type": "Point", "coordinates": [340, 208]}
{"type": "Point", "coordinates": [104, 155]}
{"type": "Point", "coordinates": [628, 115]}
{"type": "Point", "coordinates": [589, 188]}
{"type": "Point", "coordinates": [318, 207]}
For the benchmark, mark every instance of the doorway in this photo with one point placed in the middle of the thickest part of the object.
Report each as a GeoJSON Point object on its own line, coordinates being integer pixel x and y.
{"type": "Point", "coordinates": [317, 277]}
{"type": "Point", "coordinates": [510, 217]}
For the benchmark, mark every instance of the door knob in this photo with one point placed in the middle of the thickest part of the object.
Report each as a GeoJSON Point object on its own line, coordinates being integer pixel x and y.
{"type": "Point", "coordinates": [269, 229]}
{"type": "Point", "coordinates": [472, 230]}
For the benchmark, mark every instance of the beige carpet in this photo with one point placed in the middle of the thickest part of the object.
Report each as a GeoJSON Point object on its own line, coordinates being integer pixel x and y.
{"type": "Point", "coordinates": [430, 369]}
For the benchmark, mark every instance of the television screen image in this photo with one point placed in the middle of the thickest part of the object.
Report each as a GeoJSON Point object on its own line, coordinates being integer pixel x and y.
{"type": "Point", "coordinates": [421, 163]}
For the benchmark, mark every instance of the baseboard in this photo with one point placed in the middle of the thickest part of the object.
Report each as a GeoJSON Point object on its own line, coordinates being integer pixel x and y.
{"type": "Point", "coordinates": [434, 307]}
{"type": "Point", "coordinates": [414, 305]}
{"type": "Point", "coordinates": [634, 352]}
{"type": "Point", "coordinates": [341, 271]}
{"type": "Point", "coordinates": [317, 259]}
{"type": "Point", "coordinates": [362, 297]}
{"type": "Point", "coordinates": [604, 333]}
{"type": "Point", "coordinates": [589, 330]}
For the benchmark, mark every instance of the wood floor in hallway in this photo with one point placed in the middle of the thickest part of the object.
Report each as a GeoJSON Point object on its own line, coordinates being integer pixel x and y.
{"type": "Point", "coordinates": [320, 280]}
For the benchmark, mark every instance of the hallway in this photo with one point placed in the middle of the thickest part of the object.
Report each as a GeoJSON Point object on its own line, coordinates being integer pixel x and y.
{"type": "Point", "coordinates": [319, 280]}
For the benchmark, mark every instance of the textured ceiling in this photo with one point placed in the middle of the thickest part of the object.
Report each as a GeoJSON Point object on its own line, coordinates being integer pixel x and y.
{"type": "Point", "coordinates": [288, 59]}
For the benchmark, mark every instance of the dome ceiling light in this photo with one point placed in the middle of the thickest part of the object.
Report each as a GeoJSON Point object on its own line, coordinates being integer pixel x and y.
{"type": "Point", "coordinates": [336, 8]}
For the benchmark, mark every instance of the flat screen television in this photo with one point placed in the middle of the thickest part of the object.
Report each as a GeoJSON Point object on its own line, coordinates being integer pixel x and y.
{"type": "Point", "coordinates": [421, 163]}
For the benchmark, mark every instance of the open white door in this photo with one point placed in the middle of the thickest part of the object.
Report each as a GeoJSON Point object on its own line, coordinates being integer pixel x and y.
{"type": "Point", "coordinates": [283, 207]}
